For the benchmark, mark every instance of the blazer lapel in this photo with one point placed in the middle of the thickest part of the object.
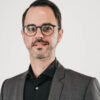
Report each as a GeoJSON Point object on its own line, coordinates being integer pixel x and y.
{"type": "Point", "coordinates": [21, 87]}
{"type": "Point", "coordinates": [57, 84]}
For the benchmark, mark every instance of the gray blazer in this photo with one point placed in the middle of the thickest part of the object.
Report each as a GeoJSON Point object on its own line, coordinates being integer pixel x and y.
{"type": "Point", "coordinates": [66, 85]}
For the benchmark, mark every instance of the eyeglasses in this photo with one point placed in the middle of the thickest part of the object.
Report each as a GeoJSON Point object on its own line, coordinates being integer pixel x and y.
{"type": "Point", "coordinates": [46, 29]}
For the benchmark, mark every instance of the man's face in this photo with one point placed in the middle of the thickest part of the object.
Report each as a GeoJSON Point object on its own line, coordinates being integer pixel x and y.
{"type": "Point", "coordinates": [39, 16]}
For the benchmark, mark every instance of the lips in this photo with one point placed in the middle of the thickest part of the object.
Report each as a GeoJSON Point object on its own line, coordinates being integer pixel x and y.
{"type": "Point", "coordinates": [40, 44]}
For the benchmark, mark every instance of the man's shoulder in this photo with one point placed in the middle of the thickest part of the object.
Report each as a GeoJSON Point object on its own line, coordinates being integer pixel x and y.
{"type": "Point", "coordinates": [15, 79]}
{"type": "Point", "coordinates": [77, 78]}
{"type": "Point", "coordinates": [77, 74]}
{"type": "Point", "coordinates": [73, 75]}
{"type": "Point", "coordinates": [13, 82]}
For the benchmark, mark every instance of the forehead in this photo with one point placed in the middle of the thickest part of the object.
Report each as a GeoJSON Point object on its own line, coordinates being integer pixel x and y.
{"type": "Point", "coordinates": [39, 15]}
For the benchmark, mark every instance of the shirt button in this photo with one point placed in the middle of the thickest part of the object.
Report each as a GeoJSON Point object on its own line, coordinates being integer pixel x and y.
{"type": "Point", "coordinates": [36, 88]}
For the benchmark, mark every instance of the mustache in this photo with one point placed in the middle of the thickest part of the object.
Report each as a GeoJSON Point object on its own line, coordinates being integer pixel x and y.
{"type": "Point", "coordinates": [40, 40]}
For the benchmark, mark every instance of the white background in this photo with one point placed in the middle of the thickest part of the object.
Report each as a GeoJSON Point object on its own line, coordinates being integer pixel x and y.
{"type": "Point", "coordinates": [79, 49]}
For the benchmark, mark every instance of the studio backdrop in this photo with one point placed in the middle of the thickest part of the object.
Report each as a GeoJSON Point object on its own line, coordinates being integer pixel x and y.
{"type": "Point", "coordinates": [79, 48]}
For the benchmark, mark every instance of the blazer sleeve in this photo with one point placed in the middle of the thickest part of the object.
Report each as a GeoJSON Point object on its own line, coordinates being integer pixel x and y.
{"type": "Point", "coordinates": [0, 97]}
{"type": "Point", "coordinates": [93, 90]}
{"type": "Point", "coordinates": [2, 91]}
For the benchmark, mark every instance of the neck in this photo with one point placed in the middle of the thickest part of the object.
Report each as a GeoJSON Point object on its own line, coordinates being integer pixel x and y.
{"type": "Point", "coordinates": [39, 65]}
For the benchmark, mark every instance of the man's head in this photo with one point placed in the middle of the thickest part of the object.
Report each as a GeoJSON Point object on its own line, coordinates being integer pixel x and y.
{"type": "Point", "coordinates": [41, 29]}
{"type": "Point", "coordinates": [44, 3]}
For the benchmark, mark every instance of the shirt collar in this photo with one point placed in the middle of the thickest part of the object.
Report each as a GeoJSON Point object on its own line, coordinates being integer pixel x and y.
{"type": "Point", "coordinates": [49, 72]}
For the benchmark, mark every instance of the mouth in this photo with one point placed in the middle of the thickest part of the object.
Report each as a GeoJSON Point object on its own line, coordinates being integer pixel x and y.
{"type": "Point", "coordinates": [40, 44]}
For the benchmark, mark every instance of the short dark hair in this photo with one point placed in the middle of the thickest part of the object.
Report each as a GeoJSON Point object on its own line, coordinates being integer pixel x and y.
{"type": "Point", "coordinates": [48, 3]}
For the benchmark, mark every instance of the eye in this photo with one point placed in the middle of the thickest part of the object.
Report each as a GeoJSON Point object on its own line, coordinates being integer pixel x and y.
{"type": "Point", "coordinates": [31, 28]}
{"type": "Point", "coordinates": [46, 28]}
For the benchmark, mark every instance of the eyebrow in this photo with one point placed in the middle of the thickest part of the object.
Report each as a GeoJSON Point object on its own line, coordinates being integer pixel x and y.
{"type": "Point", "coordinates": [47, 24]}
{"type": "Point", "coordinates": [41, 25]}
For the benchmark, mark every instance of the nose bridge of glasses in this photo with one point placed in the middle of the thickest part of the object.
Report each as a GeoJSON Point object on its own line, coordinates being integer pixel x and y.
{"type": "Point", "coordinates": [38, 27]}
{"type": "Point", "coordinates": [39, 31]}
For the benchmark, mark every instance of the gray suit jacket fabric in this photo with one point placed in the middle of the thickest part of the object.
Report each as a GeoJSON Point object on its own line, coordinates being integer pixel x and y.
{"type": "Point", "coordinates": [66, 85]}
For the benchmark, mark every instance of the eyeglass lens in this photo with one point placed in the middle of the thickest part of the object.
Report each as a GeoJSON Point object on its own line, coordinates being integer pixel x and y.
{"type": "Point", "coordinates": [45, 29]}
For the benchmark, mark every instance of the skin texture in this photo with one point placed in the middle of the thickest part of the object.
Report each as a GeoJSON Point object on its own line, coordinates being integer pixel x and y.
{"type": "Point", "coordinates": [41, 54]}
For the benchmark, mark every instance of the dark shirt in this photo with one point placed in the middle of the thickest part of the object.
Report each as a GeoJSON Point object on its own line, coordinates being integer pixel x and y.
{"type": "Point", "coordinates": [39, 88]}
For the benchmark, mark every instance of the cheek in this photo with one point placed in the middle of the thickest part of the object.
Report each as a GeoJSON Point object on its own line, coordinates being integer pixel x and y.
{"type": "Point", "coordinates": [53, 39]}
{"type": "Point", "coordinates": [28, 42]}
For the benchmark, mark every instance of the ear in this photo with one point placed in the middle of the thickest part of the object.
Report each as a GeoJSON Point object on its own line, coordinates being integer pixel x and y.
{"type": "Point", "coordinates": [22, 33]}
{"type": "Point", "coordinates": [60, 34]}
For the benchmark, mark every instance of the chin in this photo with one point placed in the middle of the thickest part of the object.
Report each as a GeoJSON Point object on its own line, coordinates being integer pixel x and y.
{"type": "Point", "coordinates": [41, 55]}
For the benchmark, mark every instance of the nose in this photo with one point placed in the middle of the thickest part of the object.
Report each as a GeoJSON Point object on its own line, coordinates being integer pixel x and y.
{"type": "Point", "coordinates": [39, 34]}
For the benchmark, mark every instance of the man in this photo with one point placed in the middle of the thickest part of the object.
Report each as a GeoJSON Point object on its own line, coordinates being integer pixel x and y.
{"type": "Point", "coordinates": [46, 78]}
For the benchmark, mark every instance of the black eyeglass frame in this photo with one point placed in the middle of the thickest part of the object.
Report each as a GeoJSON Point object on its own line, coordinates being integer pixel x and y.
{"type": "Point", "coordinates": [40, 29]}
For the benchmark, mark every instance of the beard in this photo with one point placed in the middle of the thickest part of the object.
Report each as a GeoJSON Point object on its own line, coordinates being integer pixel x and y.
{"type": "Point", "coordinates": [42, 53]}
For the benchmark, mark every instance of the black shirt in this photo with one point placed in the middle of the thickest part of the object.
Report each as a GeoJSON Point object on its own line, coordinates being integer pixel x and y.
{"type": "Point", "coordinates": [39, 88]}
